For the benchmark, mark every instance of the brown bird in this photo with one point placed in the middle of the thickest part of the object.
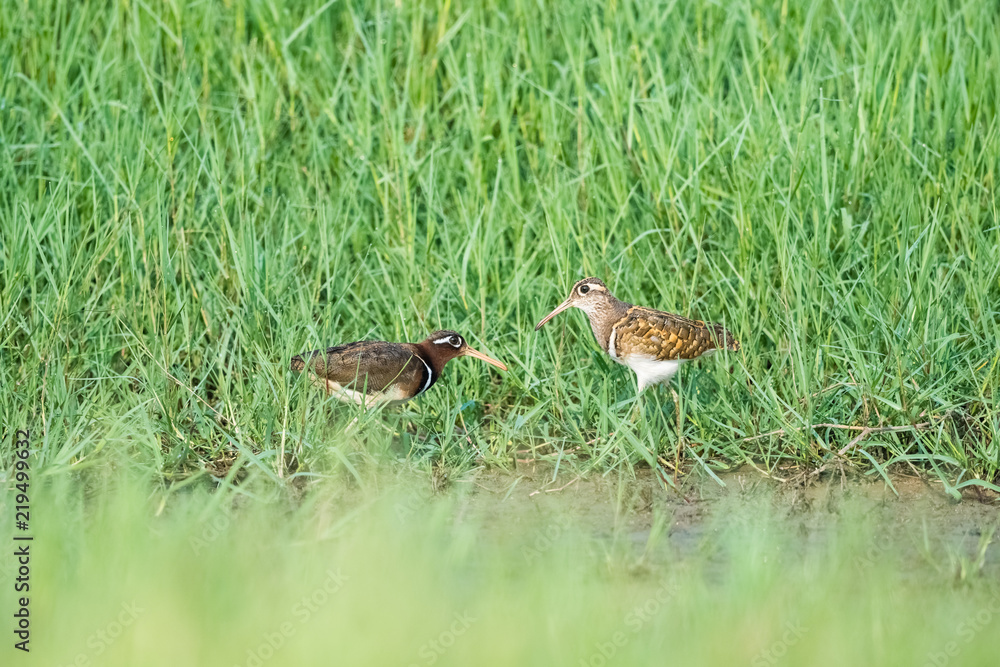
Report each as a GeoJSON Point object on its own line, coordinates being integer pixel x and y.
{"type": "Point", "coordinates": [650, 342]}
{"type": "Point", "coordinates": [373, 371]}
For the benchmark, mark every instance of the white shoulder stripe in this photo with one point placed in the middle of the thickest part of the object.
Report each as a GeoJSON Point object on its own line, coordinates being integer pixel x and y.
{"type": "Point", "coordinates": [430, 376]}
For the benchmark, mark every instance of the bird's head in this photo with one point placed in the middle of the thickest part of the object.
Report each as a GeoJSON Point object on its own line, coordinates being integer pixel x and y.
{"type": "Point", "coordinates": [590, 295]}
{"type": "Point", "coordinates": [443, 346]}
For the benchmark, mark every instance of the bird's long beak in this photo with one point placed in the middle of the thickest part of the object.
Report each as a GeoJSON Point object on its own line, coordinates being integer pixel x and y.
{"type": "Point", "coordinates": [469, 352]}
{"type": "Point", "coordinates": [561, 307]}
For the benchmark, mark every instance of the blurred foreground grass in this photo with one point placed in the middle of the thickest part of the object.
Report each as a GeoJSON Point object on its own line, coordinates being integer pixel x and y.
{"type": "Point", "coordinates": [467, 577]}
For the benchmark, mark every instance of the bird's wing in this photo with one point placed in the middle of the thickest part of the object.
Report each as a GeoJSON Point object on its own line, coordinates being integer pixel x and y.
{"type": "Point", "coordinates": [369, 366]}
{"type": "Point", "coordinates": [665, 336]}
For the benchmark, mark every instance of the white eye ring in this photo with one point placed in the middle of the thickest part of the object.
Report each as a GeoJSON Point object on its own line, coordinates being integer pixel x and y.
{"type": "Point", "coordinates": [455, 342]}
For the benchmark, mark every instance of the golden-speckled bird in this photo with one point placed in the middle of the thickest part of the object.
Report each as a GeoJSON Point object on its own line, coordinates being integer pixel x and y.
{"type": "Point", "coordinates": [650, 342]}
{"type": "Point", "coordinates": [373, 371]}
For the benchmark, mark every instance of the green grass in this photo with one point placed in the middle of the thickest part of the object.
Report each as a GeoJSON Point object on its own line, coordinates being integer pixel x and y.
{"type": "Point", "coordinates": [191, 194]}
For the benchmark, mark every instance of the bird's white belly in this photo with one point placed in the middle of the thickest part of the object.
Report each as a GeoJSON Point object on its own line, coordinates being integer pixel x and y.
{"type": "Point", "coordinates": [393, 394]}
{"type": "Point", "coordinates": [649, 371]}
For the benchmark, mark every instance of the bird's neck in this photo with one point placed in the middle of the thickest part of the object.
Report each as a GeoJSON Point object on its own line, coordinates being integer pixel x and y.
{"type": "Point", "coordinates": [432, 361]}
{"type": "Point", "coordinates": [603, 317]}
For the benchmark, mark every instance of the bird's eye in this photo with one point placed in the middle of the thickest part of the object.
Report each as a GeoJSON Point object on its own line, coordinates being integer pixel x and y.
{"type": "Point", "coordinates": [584, 289]}
{"type": "Point", "coordinates": [454, 341]}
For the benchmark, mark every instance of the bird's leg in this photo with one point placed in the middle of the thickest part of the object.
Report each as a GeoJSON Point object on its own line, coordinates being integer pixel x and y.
{"type": "Point", "coordinates": [316, 381]}
{"type": "Point", "coordinates": [348, 396]}
{"type": "Point", "coordinates": [636, 408]}
{"type": "Point", "coordinates": [680, 432]}
{"type": "Point", "coordinates": [367, 401]}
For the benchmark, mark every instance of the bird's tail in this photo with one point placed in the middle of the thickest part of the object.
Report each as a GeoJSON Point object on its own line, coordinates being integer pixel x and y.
{"type": "Point", "coordinates": [725, 340]}
{"type": "Point", "coordinates": [298, 363]}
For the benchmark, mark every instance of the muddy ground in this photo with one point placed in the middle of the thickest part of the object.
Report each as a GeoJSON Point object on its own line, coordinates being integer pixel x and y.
{"type": "Point", "coordinates": [919, 522]}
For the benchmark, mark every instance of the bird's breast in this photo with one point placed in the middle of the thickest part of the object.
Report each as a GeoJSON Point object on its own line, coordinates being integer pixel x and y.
{"type": "Point", "coordinates": [397, 393]}
{"type": "Point", "coordinates": [613, 347]}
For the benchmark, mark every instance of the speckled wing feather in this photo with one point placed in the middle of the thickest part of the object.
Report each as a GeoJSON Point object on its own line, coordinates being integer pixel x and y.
{"type": "Point", "coordinates": [663, 336]}
{"type": "Point", "coordinates": [368, 366]}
